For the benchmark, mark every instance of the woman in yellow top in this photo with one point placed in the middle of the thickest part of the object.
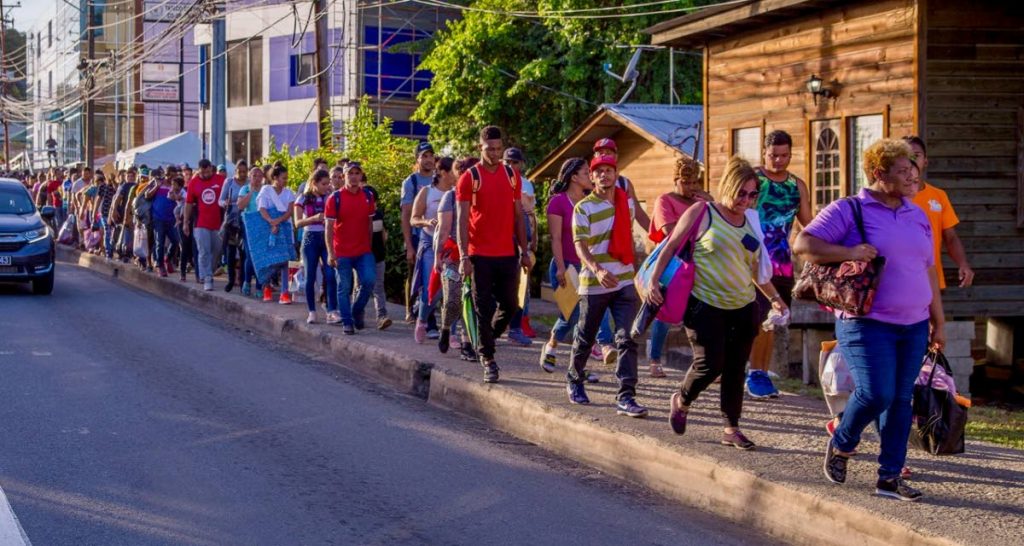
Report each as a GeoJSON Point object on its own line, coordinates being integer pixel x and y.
{"type": "Point", "coordinates": [721, 315]}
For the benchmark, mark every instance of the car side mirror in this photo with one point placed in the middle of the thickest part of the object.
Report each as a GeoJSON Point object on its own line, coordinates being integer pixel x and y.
{"type": "Point", "coordinates": [48, 212]}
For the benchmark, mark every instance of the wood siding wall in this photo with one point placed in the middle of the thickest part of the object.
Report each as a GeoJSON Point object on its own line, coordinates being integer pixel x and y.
{"type": "Point", "coordinates": [650, 167]}
{"type": "Point", "coordinates": [974, 89]}
{"type": "Point", "coordinates": [866, 52]}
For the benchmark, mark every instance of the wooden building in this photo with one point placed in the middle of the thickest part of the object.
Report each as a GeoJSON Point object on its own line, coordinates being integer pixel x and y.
{"type": "Point", "coordinates": [952, 72]}
{"type": "Point", "coordinates": [650, 137]}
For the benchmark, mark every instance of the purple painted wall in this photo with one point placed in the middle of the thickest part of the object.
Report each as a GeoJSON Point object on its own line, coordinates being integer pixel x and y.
{"type": "Point", "coordinates": [163, 119]}
{"type": "Point", "coordinates": [280, 51]}
{"type": "Point", "coordinates": [297, 136]}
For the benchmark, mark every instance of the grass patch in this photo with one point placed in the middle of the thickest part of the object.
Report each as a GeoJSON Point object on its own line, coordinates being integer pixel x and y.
{"type": "Point", "coordinates": [796, 386]}
{"type": "Point", "coordinates": [996, 425]}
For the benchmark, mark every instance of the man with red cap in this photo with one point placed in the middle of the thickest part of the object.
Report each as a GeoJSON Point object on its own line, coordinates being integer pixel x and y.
{"type": "Point", "coordinates": [603, 235]}
{"type": "Point", "coordinates": [606, 146]}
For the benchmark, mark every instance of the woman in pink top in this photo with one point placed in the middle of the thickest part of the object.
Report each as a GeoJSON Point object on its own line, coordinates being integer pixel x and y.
{"type": "Point", "coordinates": [667, 210]}
{"type": "Point", "coordinates": [572, 185]}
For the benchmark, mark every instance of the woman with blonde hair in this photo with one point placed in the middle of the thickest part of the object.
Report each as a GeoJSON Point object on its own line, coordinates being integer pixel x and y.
{"type": "Point", "coordinates": [884, 347]}
{"type": "Point", "coordinates": [721, 315]}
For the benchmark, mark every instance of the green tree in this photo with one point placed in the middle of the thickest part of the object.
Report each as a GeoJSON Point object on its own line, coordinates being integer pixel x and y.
{"type": "Point", "coordinates": [539, 79]}
{"type": "Point", "coordinates": [386, 160]}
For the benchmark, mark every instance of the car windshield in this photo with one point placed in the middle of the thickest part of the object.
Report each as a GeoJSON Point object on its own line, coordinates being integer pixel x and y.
{"type": "Point", "coordinates": [15, 201]}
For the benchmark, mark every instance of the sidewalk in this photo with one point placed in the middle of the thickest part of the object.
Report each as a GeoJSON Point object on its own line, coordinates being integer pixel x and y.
{"type": "Point", "coordinates": [974, 498]}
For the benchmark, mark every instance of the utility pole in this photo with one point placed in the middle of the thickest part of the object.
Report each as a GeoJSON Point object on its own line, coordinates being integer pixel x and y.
{"type": "Point", "coordinates": [90, 111]}
{"type": "Point", "coordinates": [3, 86]}
{"type": "Point", "coordinates": [218, 92]}
{"type": "Point", "coordinates": [323, 78]}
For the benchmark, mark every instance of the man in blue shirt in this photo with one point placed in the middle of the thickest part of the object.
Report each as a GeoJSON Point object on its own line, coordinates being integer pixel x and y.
{"type": "Point", "coordinates": [422, 177]}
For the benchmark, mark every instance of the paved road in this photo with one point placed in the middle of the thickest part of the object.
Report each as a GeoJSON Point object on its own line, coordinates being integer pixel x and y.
{"type": "Point", "coordinates": [125, 419]}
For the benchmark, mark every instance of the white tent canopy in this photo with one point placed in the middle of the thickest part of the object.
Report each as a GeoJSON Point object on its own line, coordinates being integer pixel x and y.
{"type": "Point", "coordinates": [174, 150]}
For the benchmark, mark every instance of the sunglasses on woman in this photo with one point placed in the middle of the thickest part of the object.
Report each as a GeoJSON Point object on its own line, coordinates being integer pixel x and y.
{"type": "Point", "coordinates": [752, 195]}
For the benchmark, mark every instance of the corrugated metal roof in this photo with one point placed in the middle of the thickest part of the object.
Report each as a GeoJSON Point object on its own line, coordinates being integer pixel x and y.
{"type": "Point", "coordinates": [676, 125]}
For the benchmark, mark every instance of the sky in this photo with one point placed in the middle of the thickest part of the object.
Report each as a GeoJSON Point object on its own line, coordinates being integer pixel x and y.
{"type": "Point", "coordinates": [30, 11]}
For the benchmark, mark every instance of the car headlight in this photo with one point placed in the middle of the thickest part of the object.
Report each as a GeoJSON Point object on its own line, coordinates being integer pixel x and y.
{"type": "Point", "coordinates": [36, 235]}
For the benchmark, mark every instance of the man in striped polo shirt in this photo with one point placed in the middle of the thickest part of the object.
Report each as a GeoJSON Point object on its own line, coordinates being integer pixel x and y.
{"type": "Point", "coordinates": [603, 234]}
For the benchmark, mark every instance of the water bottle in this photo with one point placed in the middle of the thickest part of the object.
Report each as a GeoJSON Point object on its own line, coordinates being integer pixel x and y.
{"type": "Point", "coordinates": [648, 312]}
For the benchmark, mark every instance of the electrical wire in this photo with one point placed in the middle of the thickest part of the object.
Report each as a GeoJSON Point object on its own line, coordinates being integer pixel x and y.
{"type": "Point", "coordinates": [546, 15]}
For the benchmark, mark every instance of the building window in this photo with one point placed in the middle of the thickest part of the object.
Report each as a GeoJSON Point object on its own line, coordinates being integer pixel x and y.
{"type": "Point", "coordinates": [746, 143]}
{"type": "Point", "coordinates": [827, 175]}
{"type": "Point", "coordinates": [49, 34]}
{"type": "Point", "coordinates": [864, 131]}
{"type": "Point", "coordinates": [303, 67]}
{"type": "Point", "coordinates": [245, 72]}
{"type": "Point", "coordinates": [247, 145]}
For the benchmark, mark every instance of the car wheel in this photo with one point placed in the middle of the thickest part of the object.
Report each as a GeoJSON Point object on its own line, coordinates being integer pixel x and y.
{"type": "Point", "coordinates": [43, 286]}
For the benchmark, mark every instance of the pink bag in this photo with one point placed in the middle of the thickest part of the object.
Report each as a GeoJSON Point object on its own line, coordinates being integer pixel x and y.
{"type": "Point", "coordinates": [678, 277]}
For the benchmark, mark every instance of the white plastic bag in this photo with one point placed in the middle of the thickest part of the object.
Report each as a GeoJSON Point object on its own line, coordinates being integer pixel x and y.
{"type": "Point", "coordinates": [141, 246]}
{"type": "Point", "coordinates": [297, 283]}
{"type": "Point", "coordinates": [836, 379]}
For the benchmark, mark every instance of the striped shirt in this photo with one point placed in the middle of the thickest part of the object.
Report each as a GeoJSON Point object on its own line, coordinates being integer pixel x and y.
{"type": "Point", "coordinates": [592, 221]}
{"type": "Point", "coordinates": [725, 264]}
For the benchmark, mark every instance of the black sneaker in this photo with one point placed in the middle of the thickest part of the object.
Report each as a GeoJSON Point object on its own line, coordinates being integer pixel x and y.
{"type": "Point", "coordinates": [348, 330]}
{"type": "Point", "coordinates": [467, 352]}
{"type": "Point", "coordinates": [629, 408]}
{"type": "Point", "coordinates": [897, 489]}
{"type": "Point", "coordinates": [491, 372]}
{"type": "Point", "coordinates": [577, 394]}
{"type": "Point", "coordinates": [835, 464]}
{"type": "Point", "coordinates": [359, 323]}
{"type": "Point", "coordinates": [738, 440]}
{"type": "Point", "coordinates": [444, 342]}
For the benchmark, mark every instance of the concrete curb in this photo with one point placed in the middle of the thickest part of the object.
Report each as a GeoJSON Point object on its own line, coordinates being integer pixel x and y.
{"type": "Point", "coordinates": [692, 478]}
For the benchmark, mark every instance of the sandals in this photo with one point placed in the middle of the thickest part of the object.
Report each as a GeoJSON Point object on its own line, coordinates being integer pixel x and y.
{"type": "Point", "coordinates": [657, 371]}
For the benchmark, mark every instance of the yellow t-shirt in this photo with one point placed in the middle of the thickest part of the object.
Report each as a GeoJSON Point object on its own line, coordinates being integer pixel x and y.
{"type": "Point", "coordinates": [935, 204]}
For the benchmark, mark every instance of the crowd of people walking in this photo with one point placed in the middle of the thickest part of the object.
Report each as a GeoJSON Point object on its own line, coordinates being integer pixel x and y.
{"type": "Point", "coordinates": [470, 235]}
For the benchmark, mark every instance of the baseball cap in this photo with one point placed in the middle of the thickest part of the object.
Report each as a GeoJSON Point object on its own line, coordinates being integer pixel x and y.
{"type": "Point", "coordinates": [603, 160]}
{"type": "Point", "coordinates": [605, 143]}
{"type": "Point", "coordinates": [221, 167]}
{"type": "Point", "coordinates": [421, 148]}
{"type": "Point", "coordinates": [514, 154]}
{"type": "Point", "coordinates": [353, 165]}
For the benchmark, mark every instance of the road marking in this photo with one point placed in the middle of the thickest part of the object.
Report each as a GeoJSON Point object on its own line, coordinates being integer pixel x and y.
{"type": "Point", "coordinates": [42, 353]}
{"type": "Point", "coordinates": [11, 533]}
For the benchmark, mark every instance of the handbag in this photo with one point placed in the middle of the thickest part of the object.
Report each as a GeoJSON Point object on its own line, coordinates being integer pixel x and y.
{"type": "Point", "coordinates": [848, 286]}
{"type": "Point", "coordinates": [938, 421]}
{"type": "Point", "coordinates": [675, 282]}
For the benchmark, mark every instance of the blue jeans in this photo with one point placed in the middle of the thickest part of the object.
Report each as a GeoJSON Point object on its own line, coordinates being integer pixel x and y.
{"type": "Point", "coordinates": [365, 268]}
{"type": "Point", "coordinates": [165, 231]}
{"type": "Point", "coordinates": [884, 360]}
{"type": "Point", "coordinates": [656, 341]}
{"type": "Point", "coordinates": [563, 327]}
{"type": "Point", "coordinates": [108, 230]}
{"type": "Point", "coordinates": [622, 304]}
{"type": "Point", "coordinates": [426, 258]}
{"type": "Point", "coordinates": [314, 253]}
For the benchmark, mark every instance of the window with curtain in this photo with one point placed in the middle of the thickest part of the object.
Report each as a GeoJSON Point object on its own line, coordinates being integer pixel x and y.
{"type": "Point", "coordinates": [864, 131]}
{"type": "Point", "coordinates": [746, 143]}
{"type": "Point", "coordinates": [827, 175]}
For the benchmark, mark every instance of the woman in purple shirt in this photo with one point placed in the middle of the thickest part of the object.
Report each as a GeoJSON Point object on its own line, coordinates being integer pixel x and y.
{"type": "Point", "coordinates": [883, 348]}
{"type": "Point", "coordinates": [572, 185]}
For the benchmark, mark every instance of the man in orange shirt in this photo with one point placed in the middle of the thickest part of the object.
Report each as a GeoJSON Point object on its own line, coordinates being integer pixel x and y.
{"type": "Point", "coordinates": [941, 216]}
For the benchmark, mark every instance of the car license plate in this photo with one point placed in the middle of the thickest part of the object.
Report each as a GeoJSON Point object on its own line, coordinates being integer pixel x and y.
{"type": "Point", "coordinates": [5, 260]}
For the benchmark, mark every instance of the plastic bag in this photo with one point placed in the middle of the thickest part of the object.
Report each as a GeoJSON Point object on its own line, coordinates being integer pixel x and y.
{"type": "Point", "coordinates": [68, 234]}
{"type": "Point", "coordinates": [775, 320]}
{"type": "Point", "coordinates": [836, 378]}
{"type": "Point", "coordinates": [297, 282]}
{"type": "Point", "coordinates": [141, 246]}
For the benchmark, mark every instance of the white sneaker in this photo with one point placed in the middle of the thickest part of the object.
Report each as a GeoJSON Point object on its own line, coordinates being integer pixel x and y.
{"type": "Point", "coordinates": [311, 318]}
{"type": "Point", "coordinates": [333, 317]}
{"type": "Point", "coordinates": [208, 286]}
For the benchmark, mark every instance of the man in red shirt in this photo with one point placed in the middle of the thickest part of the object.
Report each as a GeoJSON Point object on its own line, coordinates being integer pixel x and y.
{"type": "Point", "coordinates": [202, 197]}
{"type": "Point", "coordinates": [348, 215]}
{"type": "Point", "coordinates": [490, 226]}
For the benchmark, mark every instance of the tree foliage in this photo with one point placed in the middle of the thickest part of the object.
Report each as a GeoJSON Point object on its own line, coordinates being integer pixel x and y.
{"type": "Point", "coordinates": [539, 79]}
{"type": "Point", "coordinates": [386, 160]}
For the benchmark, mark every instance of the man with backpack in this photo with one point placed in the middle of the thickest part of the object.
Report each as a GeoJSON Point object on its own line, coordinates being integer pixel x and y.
{"type": "Point", "coordinates": [142, 210]}
{"type": "Point", "coordinates": [423, 177]}
{"type": "Point", "coordinates": [348, 218]}
{"type": "Point", "coordinates": [121, 216]}
{"type": "Point", "coordinates": [491, 226]}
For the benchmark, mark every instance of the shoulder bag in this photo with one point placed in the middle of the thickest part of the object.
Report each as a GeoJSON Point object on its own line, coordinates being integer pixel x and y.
{"type": "Point", "coordinates": [848, 286]}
